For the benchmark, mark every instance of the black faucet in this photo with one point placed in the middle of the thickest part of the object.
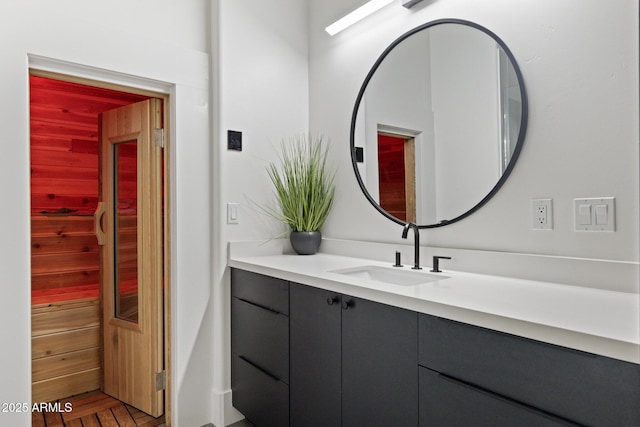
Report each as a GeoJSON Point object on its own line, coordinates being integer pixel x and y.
{"type": "Point", "coordinates": [416, 243]}
{"type": "Point", "coordinates": [436, 263]}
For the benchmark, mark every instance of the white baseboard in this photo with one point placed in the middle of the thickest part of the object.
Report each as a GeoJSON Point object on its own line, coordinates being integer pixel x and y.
{"type": "Point", "coordinates": [224, 413]}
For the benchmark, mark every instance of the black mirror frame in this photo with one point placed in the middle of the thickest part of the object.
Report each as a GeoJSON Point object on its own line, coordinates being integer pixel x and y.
{"type": "Point", "coordinates": [519, 142]}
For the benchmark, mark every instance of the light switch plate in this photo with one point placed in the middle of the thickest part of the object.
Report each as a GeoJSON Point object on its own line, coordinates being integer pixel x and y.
{"type": "Point", "coordinates": [595, 214]}
{"type": "Point", "coordinates": [232, 213]}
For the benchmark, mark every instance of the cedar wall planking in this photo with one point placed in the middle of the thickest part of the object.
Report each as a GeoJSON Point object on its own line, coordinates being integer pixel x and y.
{"type": "Point", "coordinates": [64, 175]}
{"type": "Point", "coordinates": [65, 349]}
{"type": "Point", "coordinates": [64, 142]}
{"type": "Point", "coordinates": [66, 336]}
{"type": "Point", "coordinates": [64, 254]}
{"type": "Point", "coordinates": [66, 345]}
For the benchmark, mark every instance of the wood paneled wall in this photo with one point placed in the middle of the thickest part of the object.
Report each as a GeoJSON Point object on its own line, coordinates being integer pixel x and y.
{"type": "Point", "coordinates": [65, 328]}
{"type": "Point", "coordinates": [65, 317]}
{"type": "Point", "coordinates": [64, 142]}
{"type": "Point", "coordinates": [64, 257]}
{"type": "Point", "coordinates": [66, 349]}
{"type": "Point", "coordinates": [66, 333]}
{"type": "Point", "coordinates": [64, 181]}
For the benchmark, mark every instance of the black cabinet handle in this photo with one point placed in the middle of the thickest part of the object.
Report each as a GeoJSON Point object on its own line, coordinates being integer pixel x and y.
{"type": "Point", "coordinates": [333, 300]}
{"type": "Point", "coordinates": [264, 371]}
{"type": "Point", "coordinates": [346, 304]}
{"type": "Point", "coordinates": [264, 307]}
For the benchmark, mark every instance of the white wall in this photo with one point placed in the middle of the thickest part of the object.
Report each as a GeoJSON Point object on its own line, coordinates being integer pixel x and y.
{"type": "Point", "coordinates": [162, 40]}
{"type": "Point", "coordinates": [261, 89]}
{"type": "Point", "coordinates": [579, 59]}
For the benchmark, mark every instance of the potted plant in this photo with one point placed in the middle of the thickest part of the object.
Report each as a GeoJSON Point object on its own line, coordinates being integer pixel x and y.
{"type": "Point", "coordinates": [304, 189]}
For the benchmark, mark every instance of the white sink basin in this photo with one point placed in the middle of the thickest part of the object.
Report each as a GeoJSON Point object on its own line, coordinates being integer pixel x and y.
{"type": "Point", "coordinates": [391, 275]}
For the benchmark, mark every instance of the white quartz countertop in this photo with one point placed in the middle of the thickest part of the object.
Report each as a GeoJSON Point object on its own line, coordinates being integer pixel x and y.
{"type": "Point", "coordinates": [593, 320]}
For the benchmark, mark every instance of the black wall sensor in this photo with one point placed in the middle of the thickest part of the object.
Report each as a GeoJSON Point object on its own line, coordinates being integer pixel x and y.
{"type": "Point", "coordinates": [234, 140]}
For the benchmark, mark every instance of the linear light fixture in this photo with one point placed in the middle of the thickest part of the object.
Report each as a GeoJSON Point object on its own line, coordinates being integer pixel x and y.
{"type": "Point", "coordinates": [355, 16]}
{"type": "Point", "coordinates": [410, 3]}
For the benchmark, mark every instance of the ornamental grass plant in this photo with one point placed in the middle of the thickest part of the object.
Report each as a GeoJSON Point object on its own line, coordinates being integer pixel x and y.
{"type": "Point", "coordinates": [303, 184]}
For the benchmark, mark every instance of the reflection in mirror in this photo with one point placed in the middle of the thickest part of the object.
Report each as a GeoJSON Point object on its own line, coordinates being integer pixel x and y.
{"type": "Point", "coordinates": [510, 109]}
{"type": "Point", "coordinates": [441, 118]}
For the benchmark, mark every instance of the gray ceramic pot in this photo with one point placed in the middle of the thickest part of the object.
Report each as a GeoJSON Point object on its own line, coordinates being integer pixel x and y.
{"type": "Point", "coordinates": [305, 242]}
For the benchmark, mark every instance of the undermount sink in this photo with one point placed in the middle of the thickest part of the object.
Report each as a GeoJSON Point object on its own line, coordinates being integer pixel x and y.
{"type": "Point", "coordinates": [390, 275]}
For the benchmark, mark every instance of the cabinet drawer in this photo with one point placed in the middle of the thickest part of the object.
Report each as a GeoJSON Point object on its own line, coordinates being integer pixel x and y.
{"type": "Point", "coordinates": [582, 387]}
{"type": "Point", "coordinates": [262, 399]}
{"type": "Point", "coordinates": [446, 402]}
{"type": "Point", "coordinates": [261, 336]}
{"type": "Point", "coordinates": [262, 290]}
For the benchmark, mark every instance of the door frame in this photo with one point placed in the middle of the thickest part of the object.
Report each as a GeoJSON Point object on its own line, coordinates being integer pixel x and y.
{"type": "Point", "coordinates": [89, 76]}
{"type": "Point", "coordinates": [409, 171]}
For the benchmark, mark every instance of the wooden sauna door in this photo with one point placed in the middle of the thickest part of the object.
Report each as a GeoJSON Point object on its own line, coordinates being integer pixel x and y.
{"type": "Point", "coordinates": [129, 225]}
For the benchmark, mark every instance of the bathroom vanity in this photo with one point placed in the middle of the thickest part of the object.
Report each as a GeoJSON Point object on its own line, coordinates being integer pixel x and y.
{"type": "Point", "coordinates": [315, 344]}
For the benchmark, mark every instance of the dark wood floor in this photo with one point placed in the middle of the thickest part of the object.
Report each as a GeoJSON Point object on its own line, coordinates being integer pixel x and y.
{"type": "Point", "coordinates": [93, 409]}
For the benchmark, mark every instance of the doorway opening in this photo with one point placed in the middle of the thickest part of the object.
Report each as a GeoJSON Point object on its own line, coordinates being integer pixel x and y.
{"type": "Point", "coordinates": [397, 175]}
{"type": "Point", "coordinates": [67, 262]}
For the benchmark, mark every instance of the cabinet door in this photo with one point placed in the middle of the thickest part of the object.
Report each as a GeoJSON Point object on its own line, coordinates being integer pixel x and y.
{"type": "Point", "coordinates": [315, 398]}
{"type": "Point", "coordinates": [583, 387]}
{"type": "Point", "coordinates": [265, 291]}
{"type": "Point", "coordinates": [379, 365]}
{"type": "Point", "coordinates": [262, 398]}
{"type": "Point", "coordinates": [261, 336]}
{"type": "Point", "coordinates": [447, 402]}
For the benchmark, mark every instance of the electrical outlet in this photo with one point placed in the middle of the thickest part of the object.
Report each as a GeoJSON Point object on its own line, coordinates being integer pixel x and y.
{"type": "Point", "coordinates": [542, 212]}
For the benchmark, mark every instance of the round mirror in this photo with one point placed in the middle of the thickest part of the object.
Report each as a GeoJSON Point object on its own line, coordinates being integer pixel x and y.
{"type": "Point", "coordinates": [438, 123]}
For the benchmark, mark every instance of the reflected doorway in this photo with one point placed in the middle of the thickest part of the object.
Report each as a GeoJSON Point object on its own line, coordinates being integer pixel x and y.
{"type": "Point", "coordinates": [397, 175]}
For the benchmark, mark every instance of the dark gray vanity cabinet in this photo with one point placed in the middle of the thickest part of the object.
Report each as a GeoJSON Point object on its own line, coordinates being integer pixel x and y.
{"type": "Point", "coordinates": [475, 376]}
{"type": "Point", "coordinates": [353, 362]}
{"type": "Point", "coordinates": [260, 348]}
{"type": "Point", "coordinates": [307, 357]}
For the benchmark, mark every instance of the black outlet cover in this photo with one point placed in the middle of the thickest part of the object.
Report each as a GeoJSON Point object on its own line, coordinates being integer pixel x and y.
{"type": "Point", "coordinates": [359, 155]}
{"type": "Point", "coordinates": [234, 140]}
